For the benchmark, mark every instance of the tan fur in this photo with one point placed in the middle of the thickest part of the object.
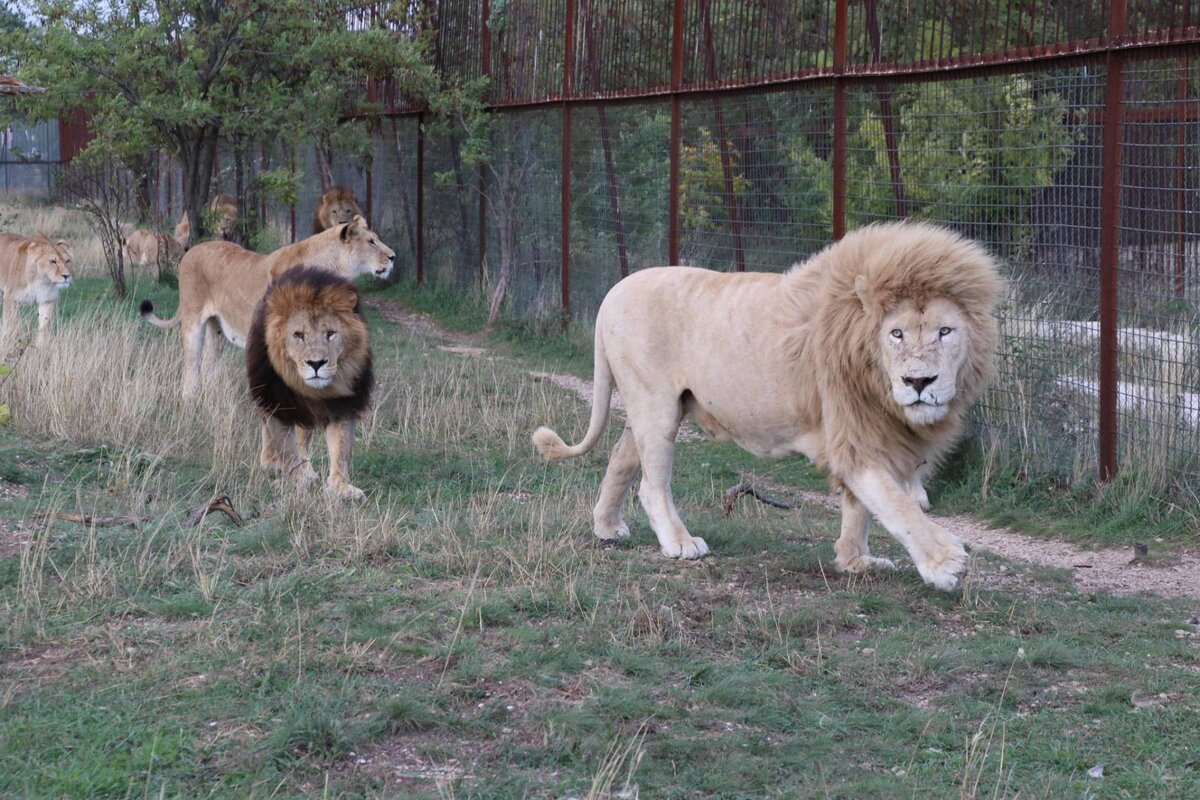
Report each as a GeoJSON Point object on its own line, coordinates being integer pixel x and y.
{"type": "Point", "coordinates": [143, 248]}
{"type": "Point", "coordinates": [224, 211]}
{"type": "Point", "coordinates": [338, 205]}
{"type": "Point", "coordinates": [220, 283]}
{"type": "Point", "coordinates": [803, 363]}
{"type": "Point", "coordinates": [304, 327]}
{"type": "Point", "coordinates": [33, 270]}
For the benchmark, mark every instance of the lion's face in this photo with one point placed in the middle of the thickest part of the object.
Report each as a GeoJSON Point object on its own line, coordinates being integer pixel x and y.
{"type": "Point", "coordinates": [341, 207]}
{"type": "Point", "coordinates": [52, 261]}
{"type": "Point", "coordinates": [364, 252]}
{"type": "Point", "coordinates": [315, 341]}
{"type": "Point", "coordinates": [922, 351]}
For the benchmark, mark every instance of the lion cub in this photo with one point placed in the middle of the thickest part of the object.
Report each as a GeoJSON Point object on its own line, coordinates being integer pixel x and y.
{"type": "Point", "coordinates": [308, 359]}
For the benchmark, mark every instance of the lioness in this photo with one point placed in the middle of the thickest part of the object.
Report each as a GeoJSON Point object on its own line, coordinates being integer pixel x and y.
{"type": "Point", "coordinates": [143, 247]}
{"type": "Point", "coordinates": [33, 270]}
{"type": "Point", "coordinates": [308, 360]}
{"type": "Point", "coordinates": [338, 204]}
{"type": "Point", "coordinates": [220, 283]}
{"type": "Point", "coordinates": [864, 358]}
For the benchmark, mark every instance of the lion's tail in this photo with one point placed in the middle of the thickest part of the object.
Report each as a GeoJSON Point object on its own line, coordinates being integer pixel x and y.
{"type": "Point", "coordinates": [148, 314]}
{"type": "Point", "coordinates": [551, 445]}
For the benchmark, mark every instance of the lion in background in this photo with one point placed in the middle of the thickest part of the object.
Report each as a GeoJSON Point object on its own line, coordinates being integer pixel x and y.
{"type": "Point", "coordinates": [33, 269]}
{"type": "Point", "coordinates": [223, 209]}
{"type": "Point", "coordinates": [308, 360]}
{"type": "Point", "coordinates": [144, 247]}
{"type": "Point", "coordinates": [864, 359]}
{"type": "Point", "coordinates": [220, 284]}
{"type": "Point", "coordinates": [338, 205]}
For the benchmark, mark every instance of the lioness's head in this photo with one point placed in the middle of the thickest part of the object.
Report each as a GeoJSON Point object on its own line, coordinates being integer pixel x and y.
{"type": "Point", "coordinates": [52, 260]}
{"type": "Point", "coordinates": [922, 349]}
{"type": "Point", "coordinates": [338, 206]}
{"type": "Point", "coordinates": [362, 251]}
{"type": "Point", "coordinates": [316, 338]}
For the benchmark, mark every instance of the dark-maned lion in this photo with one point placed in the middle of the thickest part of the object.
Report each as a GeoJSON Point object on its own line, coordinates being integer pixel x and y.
{"type": "Point", "coordinates": [308, 359]}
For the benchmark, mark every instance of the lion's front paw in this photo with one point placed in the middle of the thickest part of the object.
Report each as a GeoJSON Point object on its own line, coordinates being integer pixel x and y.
{"type": "Point", "coordinates": [346, 491]}
{"type": "Point", "coordinates": [692, 547]}
{"type": "Point", "coordinates": [862, 564]}
{"type": "Point", "coordinates": [943, 571]}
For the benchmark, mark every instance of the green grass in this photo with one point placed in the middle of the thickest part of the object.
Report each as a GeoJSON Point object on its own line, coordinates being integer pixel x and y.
{"type": "Point", "coordinates": [459, 634]}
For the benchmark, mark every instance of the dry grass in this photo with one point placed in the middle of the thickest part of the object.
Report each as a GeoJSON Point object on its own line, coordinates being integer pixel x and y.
{"type": "Point", "coordinates": [58, 223]}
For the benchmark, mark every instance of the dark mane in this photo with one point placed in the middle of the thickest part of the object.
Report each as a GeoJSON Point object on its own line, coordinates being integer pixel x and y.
{"type": "Point", "coordinates": [271, 393]}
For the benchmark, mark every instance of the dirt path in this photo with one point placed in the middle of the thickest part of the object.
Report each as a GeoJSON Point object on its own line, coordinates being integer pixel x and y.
{"type": "Point", "coordinates": [1106, 569]}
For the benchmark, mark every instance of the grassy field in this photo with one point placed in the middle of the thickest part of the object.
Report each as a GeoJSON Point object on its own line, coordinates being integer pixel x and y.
{"type": "Point", "coordinates": [459, 635]}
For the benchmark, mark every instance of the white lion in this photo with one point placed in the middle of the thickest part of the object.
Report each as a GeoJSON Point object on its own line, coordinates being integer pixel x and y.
{"type": "Point", "coordinates": [864, 358]}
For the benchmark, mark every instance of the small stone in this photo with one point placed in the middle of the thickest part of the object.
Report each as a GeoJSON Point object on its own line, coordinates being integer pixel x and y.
{"type": "Point", "coordinates": [1096, 771]}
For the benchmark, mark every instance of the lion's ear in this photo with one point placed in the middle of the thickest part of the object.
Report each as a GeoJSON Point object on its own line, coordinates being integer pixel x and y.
{"type": "Point", "coordinates": [863, 291]}
{"type": "Point", "coordinates": [353, 227]}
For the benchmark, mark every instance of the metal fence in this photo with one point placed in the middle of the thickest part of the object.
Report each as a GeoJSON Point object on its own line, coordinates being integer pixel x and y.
{"type": "Point", "coordinates": [748, 134]}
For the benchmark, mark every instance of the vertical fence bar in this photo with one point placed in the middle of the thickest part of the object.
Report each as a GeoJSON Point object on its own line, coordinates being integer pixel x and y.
{"type": "Point", "coordinates": [676, 124]}
{"type": "Point", "coordinates": [839, 119]}
{"type": "Point", "coordinates": [1110, 220]}
{"type": "Point", "coordinates": [420, 198]}
{"type": "Point", "coordinates": [732, 207]}
{"type": "Point", "coordinates": [485, 55]}
{"type": "Point", "coordinates": [1181, 122]}
{"type": "Point", "coordinates": [610, 170]}
{"type": "Point", "coordinates": [568, 89]}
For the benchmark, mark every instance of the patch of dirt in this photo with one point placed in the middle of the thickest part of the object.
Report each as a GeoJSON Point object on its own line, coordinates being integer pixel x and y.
{"type": "Point", "coordinates": [1107, 569]}
{"type": "Point", "coordinates": [1099, 570]}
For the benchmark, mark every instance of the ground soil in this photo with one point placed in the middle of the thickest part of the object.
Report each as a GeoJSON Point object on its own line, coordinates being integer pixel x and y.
{"type": "Point", "coordinates": [1114, 570]}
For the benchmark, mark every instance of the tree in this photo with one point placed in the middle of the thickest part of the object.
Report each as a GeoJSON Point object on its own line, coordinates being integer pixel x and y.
{"type": "Point", "coordinates": [186, 74]}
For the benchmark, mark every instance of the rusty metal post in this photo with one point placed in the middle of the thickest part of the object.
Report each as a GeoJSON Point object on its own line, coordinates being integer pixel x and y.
{"type": "Point", "coordinates": [839, 120]}
{"type": "Point", "coordinates": [1110, 220]}
{"type": "Point", "coordinates": [420, 255]}
{"type": "Point", "coordinates": [732, 207]}
{"type": "Point", "coordinates": [1180, 175]}
{"type": "Point", "coordinates": [610, 169]}
{"type": "Point", "coordinates": [485, 55]}
{"type": "Point", "coordinates": [676, 135]}
{"type": "Point", "coordinates": [568, 86]}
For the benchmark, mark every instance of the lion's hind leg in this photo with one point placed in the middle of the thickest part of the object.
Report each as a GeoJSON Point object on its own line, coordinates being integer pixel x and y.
{"type": "Point", "coordinates": [618, 477]}
{"type": "Point", "coordinates": [655, 440]}
{"type": "Point", "coordinates": [853, 553]}
{"type": "Point", "coordinates": [939, 554]}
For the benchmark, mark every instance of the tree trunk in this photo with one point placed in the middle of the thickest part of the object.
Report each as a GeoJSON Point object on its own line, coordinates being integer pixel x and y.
{"type": "Point", "coordinates": [197, 149]}
{"type": "Point", "coordinates": [324, 157]}
{"type": "Point", "coordinates": [505, 209]}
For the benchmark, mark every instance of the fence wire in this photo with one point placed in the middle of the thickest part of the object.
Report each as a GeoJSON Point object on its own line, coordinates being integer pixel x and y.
{"type": "Point", "coordinates": [986, 117]}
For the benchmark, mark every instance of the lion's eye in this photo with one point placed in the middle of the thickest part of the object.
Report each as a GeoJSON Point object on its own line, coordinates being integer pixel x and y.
{"type": "Point", "coordinates": [330, 334]}
{"type": "Point", "coordinates": [897, 334]}
{"type": "Point", "coordinates": [299, 335]}
{"type": "Point", "coordinates": [944, 331]}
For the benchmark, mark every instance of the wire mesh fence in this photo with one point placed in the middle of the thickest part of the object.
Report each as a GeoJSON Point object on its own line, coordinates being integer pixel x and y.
{"type": "Point", "coordinates": [748, 134]}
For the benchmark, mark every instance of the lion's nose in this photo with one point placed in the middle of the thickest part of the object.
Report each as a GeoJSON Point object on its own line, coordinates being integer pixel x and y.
{"type": "Point", "coordinates": [919, 383]}
{"type": "Point", "coordinates": [316, 365]}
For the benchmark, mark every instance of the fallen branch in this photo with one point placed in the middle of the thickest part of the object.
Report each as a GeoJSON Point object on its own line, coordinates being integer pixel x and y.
{"type": "Point", "coordinates": [90, 521]}
{"type": "Point", "coordinates": [734, 492]}
{"type": "Point", "coordinates": [220, 502]}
